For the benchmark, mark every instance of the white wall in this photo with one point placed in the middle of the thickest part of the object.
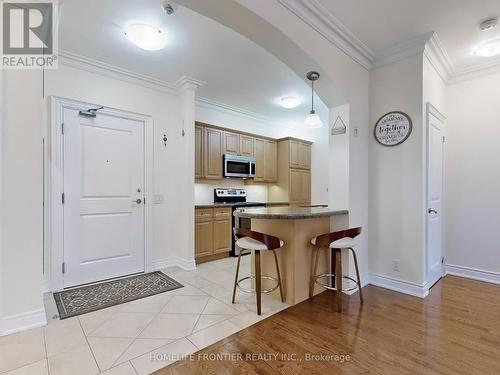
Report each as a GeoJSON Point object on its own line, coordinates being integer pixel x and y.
{"type": "Point", "coordinates": [339, 160]}
{"type": "Point", "coordinates": [396, 176]}
{"type": "Point", "coordinates": [21, 208]}
{"type": "Point", "coordinates": [472, 178]}
{"type": "Point", "coordinates": [173, 164]}
{"type": "Point", "coordinates": [258, 192]}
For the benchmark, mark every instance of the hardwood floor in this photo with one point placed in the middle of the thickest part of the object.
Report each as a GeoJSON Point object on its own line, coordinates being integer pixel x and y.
{"type": "Point", "coordinates": [455, 330]}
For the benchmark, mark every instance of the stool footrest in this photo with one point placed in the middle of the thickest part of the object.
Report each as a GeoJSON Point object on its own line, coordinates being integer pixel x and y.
{"type": "Point", "coordinates": [330, 275]}
{"type": "Point", "coordinates": [268, 290]}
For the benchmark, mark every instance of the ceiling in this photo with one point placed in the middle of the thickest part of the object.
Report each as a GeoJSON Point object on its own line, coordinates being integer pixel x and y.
{"type": "Point", "coordinates": [382, 24]}
{"type": "Point", "coordinates": [237, 71]}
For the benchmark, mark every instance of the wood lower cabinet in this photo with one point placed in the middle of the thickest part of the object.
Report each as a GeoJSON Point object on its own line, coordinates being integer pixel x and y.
{"type": "Point", "coordinates": [213, 232]}
{"type": "Point", "coordinates": [203, 238]}
{"type": "Point", "coordinates": [222, 235]}
{"type": "Point", "coordinates": [300, 186]}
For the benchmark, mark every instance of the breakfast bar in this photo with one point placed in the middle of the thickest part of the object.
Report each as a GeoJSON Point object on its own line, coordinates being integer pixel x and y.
{"type": "Point", "coordinates": [295, 225]}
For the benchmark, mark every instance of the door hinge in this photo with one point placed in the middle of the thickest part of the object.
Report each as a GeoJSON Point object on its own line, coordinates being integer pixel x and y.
{"type": "Point", "coordinates": [444, 139]}
{"type": "Point", "coordinates": [63, 267]}
{"type": "Point", "coordinates": [62, 128]}
{"type": "Point", "coordinates": [442, 260]}
{"type": "Point", "coordinates": [62, 198]}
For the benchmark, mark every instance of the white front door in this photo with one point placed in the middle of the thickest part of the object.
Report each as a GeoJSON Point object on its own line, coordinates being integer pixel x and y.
{"type": "Point", "coordinates": [434, 199]}
{"type": "Point", "coordinates": [103, 197]}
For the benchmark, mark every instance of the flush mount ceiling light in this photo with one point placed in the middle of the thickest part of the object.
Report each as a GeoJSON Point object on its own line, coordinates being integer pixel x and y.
{"type": "Point", "coordinates": [488, 49]}
{"type": "Point", "coordinates": [488, 24]}
{"type": "Point", "coordinates": [313, 121]}
{"type": "Point", "coordinates": [290, 102]}
{"type": "Point", "coordinates": [146, 37]}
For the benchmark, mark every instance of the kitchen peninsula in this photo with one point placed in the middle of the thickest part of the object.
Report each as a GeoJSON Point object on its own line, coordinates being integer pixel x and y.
{"type": "Point", "coordinates": [295, 225]}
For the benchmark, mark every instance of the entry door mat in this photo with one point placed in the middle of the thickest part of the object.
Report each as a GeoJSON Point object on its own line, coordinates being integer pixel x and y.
{"type": "Point", "coordinates": [73, 302]}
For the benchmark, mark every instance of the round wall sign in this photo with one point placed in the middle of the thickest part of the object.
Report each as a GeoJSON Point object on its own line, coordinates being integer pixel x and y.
{"type": "Point", "coordinates": [393, 128]}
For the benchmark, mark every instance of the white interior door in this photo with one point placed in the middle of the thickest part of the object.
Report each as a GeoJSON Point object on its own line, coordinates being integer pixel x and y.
{"type": "Point", "coordinates": [103, 197]}
{"type": "Point", "coordinates": [435, 200]}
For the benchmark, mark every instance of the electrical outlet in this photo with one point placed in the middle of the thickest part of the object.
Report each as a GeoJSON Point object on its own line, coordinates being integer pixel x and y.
{"type": "Point", "coordinates": [395, 265]}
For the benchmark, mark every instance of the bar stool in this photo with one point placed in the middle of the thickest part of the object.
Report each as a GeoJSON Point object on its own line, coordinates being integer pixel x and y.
{"type": "Point", "coordinates": [336, 241]}
{"type": "Point", "coordinates": [257, 242]}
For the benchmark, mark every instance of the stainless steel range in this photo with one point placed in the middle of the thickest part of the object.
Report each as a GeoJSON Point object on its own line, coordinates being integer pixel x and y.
{"type": "Point", "coordinates": [235, 198]}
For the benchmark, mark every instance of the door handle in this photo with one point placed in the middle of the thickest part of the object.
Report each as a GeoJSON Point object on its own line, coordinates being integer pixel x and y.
{"type": "Point", "coordinates": [431, 211]}
{"type": "Point", "coordinates": [138, 201]}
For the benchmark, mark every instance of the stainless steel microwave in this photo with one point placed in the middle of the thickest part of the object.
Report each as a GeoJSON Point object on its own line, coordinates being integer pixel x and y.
{"type": "Point", "coordinates": [236, 166]}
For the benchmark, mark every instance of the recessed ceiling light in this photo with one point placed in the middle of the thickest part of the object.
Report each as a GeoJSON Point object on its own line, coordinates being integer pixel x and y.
{"type": "Point", "coordinates": [488, 49]}
{"type": "Point", "coordinates": [290, 102]}
{"type": "Point", "coordinates": [147, 37]}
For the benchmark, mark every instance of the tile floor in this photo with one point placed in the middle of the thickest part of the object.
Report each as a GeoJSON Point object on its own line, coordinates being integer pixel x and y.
{"type": "Point", "coordinates": [142, 336]}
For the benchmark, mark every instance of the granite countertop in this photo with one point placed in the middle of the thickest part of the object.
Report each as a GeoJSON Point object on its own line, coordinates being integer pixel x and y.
{"type": "Point", "coordinates": [288, 213]}
{"type": "Point", "coordinates": [217, 205]}
{"type": "Point", "coordinates": [213, 205]}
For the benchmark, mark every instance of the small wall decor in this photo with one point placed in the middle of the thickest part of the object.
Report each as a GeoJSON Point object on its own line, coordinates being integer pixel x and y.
{"type": "Point", "coordinates": [339, 126]}
{"type": "Point", "coordinates": [393, 128]}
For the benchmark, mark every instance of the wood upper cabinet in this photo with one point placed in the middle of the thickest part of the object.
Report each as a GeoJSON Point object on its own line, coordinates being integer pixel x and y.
{"type": "Point", "coordinates": [271, 161]}
{"type": "Point", "coordinates": [231, 143]}
{"type": "Point", "coordinates": [213, 153]}
{"type": "Point", "coordinates": [304, 156]}
{"type": "Point", "coordinates": [246, 145]}
{"type": "Point", "coordinates": [260, 159]}
{"type": "Point", "coordinates": [198, 151]}
{"type": "Point", "coordinates": [294, 154]}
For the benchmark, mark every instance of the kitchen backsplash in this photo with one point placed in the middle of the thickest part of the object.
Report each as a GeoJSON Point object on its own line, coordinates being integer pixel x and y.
{"type": "Point", "coordinates": [204, 192]}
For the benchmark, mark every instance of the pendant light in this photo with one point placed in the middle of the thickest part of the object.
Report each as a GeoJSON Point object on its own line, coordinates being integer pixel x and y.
{"type": "Point", "coordinates": [312, 120]}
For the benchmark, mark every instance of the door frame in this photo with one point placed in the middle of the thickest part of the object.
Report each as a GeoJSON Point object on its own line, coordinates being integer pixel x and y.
{"type": "Point", "coordinates": [432, 110]}
{"type": "Point", "coordinates": [55, 176]}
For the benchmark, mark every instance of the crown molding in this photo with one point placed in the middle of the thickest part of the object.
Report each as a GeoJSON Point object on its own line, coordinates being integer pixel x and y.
{"type": "Point", "coordinates": [231, 110]}
{"type": "Point", "coordinates": [313, 13]}
{"type": "Point", "coordinates": [401, 51]}
{"type": "Point", "coordinates": [475, 71]}
{"type": "Point", "coordinates": [439, 58]}
{"type": "Point", "coordinates": [95, 66]}
{"type": "Point", "coordinates": [324, 22]}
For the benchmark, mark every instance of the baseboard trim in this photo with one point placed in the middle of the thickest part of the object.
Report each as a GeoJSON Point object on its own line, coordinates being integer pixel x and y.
{"type": "Point", "coordinates": [185, 264]}
{"type": "Point", "coordinates": [473, 273]}
{"type": "Point", "coordinates": [398, 285]}
{"type": "Point", "coordinates": [22, 322]}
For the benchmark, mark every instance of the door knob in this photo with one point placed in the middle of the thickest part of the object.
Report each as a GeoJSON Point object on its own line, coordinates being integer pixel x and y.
{"type": "Point", "coordinates": [138, 201]}
{"type": "Point", "coordinates": [431, 211]}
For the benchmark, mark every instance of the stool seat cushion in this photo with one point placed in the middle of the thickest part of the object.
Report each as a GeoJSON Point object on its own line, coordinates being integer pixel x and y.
{"type": "Point", "coordinates": [251, 244]}
{"type": "Point", "coordinates": [343, 243]}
